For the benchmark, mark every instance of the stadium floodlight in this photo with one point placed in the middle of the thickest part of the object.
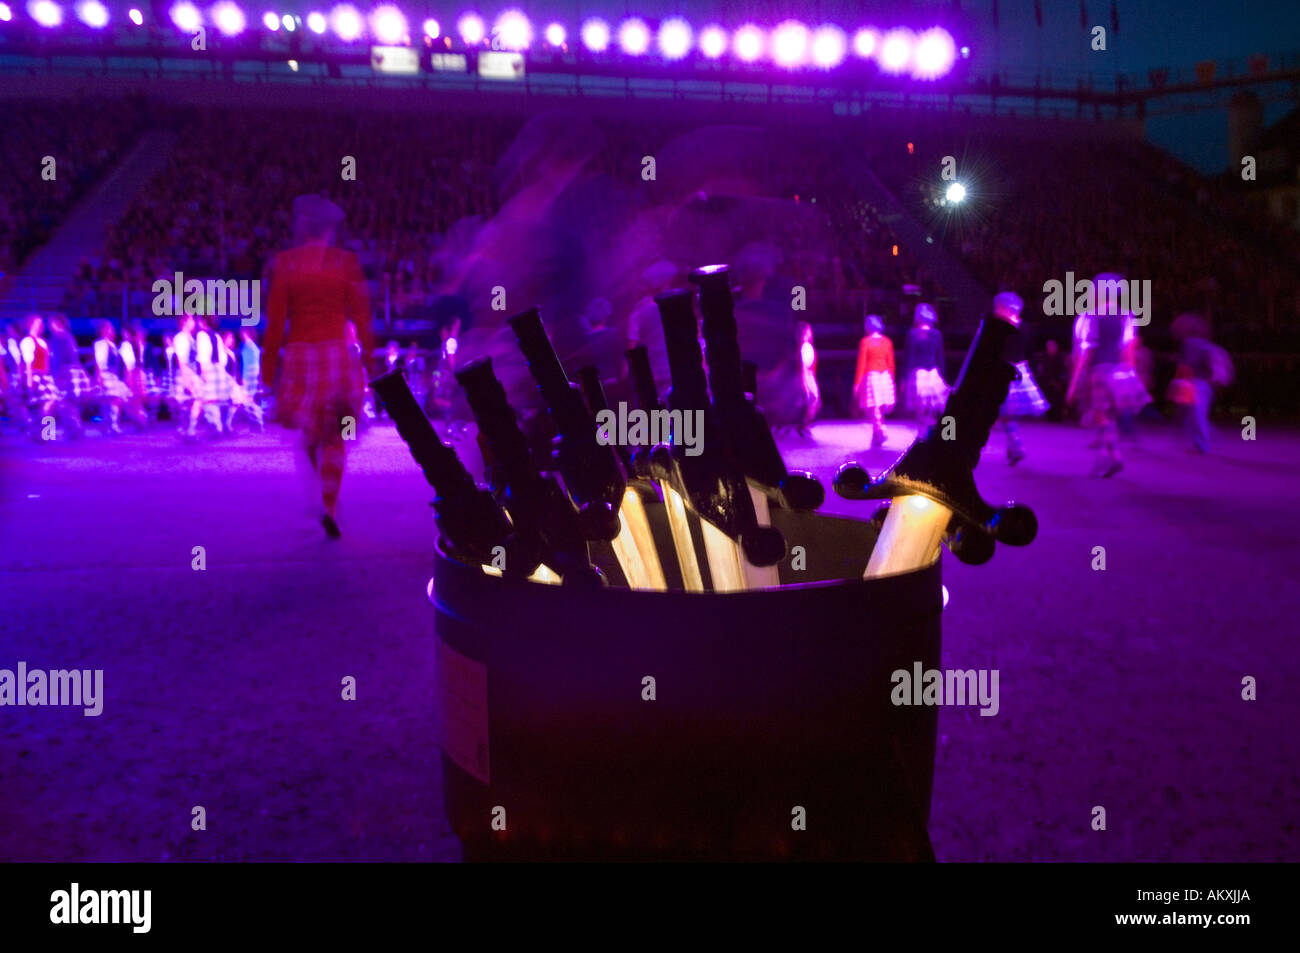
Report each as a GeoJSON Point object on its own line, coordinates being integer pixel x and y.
{"type": "Point", "coordinates": [45, 12]}
{"type": "Point", "coordinates": [316, 22]}
{"type": "Point", "coordinates": [595, 35]}
{"type": "Point", "coordinates": [865, 42]}
{"type": "Point", "coordinates": [289, 22]}
{"type": "Point", "coordinates": [513, 31]}
{"type": "Point", "coordinates": [388, 25]}
{"type": "Point", "coordinates": [472, 29]}
{"type": "Point", "coordinates": [934, 55]}
{"type": "Point", "coordinates": [556, 34]}
{"type": "Point", "coordinates": [346, 22]}
{"type": "Point", "coordinates": [748, 43]}
{"type": "Point", "coordinates": [229, 19]}
{"type": "Point", "coordinates": [271, 21]}
{"type": "Point", "coordinates": [956, 193]}
{"type": "Point", "coordinates": [713, 41]}
{"type": "Point", "coordinates": [790, 44]}
{"type": "Point", "coordinates": [136, 17]}
{"type": "Point", "coordinates": [896, 50]}
{"type": "Point", "coordinates": [5, 13]}
{"type": "Point", "coordinates": [829, 46]}
{"type": "Point", "coordinates": [633, 36]}
{"type": "Point", "coordinates": [432, 28]}
{"type": "Point", "coordinates": [186, 16]}
{"type": "Point", "coordinates": [675, 38]}
{"type": "Point", "coordinates": [92, 13]}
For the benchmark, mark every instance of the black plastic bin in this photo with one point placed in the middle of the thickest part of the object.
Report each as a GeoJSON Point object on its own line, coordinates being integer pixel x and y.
{"type": "Point", "coordinates": [766, 702]}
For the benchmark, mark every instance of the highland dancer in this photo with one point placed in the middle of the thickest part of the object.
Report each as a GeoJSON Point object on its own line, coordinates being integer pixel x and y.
{"type": "Point", "coordinates": [873, 381]}
{"type": "Point", "coordinates": [1024, 399]}
{"type": "Point", "coordinates": [316, 289]}
{"type": "Point", "coordinates": [811, 392]}
{"type": "Point", "coordinates": [926, 391]}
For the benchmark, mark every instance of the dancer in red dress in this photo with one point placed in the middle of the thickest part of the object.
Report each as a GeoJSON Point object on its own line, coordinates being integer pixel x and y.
{"type": "Point", "coordinates": [316, 289]}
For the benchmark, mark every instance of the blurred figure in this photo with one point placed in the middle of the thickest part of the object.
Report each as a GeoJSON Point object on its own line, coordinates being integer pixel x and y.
{"type": "Point", "coordinates": [70, 377]}
{"type": "Point", "coordinates": [43, 394]}
{"type": "Point", "coordinates": [1051, 371]}
{"type": "Point", "coordinates": [1201, 365]}
{"type": "Point", "coordinates": [316, 289]}
{"type": "Point", "coordinates": [110, 369]}
{"type": "Point", "coordinates": [442, 386]}
{"type": "Point", "coordinates": [250, 363]}
{"type": "Point", "coordinates": [187, 385]}
{"type": "Point", "coordinates": [873, 381]}
{"type": "Point", "coordinates": [216, 382]}
{"type": "Point", "coordinates": [241, 399]}
{"type": "Point", "coordinates": [812, 395]}
{"type": "Point", "coordinates": [1113, 387]}
{"type": "Point", "coordinates": [12, 392]}
{"type": "Point", "coordinates": [926, 391]}
{"type": "Point", "coordinates": [1024, 399]}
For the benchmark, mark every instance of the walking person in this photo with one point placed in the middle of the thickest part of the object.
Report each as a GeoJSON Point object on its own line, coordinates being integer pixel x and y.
{"type": "Point", "coordinates": [925, 391]}
{"type": "Point", "coordinates": [1024, 399]}
{"type": "Point", "coordinates": [1201, 365]}
{"type": "Point", "coordinates": [316, 289]}
{"type": "Point", "coordinates": [811, 393]}
{"type": "Point", "coordinates": [873, 381]}
{"type": "Point", "coordinates": [1112, 386]}
{"type": "Point", "coordinates": [110, 371]}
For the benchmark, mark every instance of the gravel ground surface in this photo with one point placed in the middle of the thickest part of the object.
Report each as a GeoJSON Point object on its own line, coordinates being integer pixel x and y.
{"type": "Point", "coordinates": [1120, 689]}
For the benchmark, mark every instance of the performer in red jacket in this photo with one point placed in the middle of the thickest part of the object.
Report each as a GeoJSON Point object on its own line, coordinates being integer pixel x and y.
{"type": "Point", "coordinates": [316, 289]}
{"type": "Point", "coordinates": [873, 381]}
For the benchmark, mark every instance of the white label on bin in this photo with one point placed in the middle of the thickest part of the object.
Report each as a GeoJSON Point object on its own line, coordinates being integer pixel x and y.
{"type": "Point", "coordinates": [462, 686]}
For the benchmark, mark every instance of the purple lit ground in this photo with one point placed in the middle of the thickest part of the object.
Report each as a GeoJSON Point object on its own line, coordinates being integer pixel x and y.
{"type": "Point", "coordinates": [1118, 688]}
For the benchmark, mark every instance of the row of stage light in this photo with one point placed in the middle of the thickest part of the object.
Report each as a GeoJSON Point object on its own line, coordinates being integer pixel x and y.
{"type": "Point", "coordinates": [928, 54]}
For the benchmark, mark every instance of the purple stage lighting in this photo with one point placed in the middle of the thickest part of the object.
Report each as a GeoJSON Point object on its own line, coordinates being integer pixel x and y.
{"type": "Point", "coordinates": [45, 12]}
{"type": "Point", "coordinates": [556, 34]}
{"type": "Point", "coordinates": [513, 31]}
{"type": "Point", "coordinates": [136, 17]}
{"type": "Point", "coordinates": [935, 54]}
{"type": "Point", "coordinates": [829, 46]}
{"type": "Point", "coordinates": [186, 16]}
{"type": "Point", "coordinates": [472, 29]}
{"type": "Point", "coordinates": [595, 35]}
{"type": "Point", "coordinates": [316, 22]}
{"type": "Point", "coordinates": [748, 43]}
{"type": "Point", "coordinates": [896, 50]}
{"type": "Point", "coordinates": [346, 22]}
{"type": "Point", "coordinates": [790, 44]}
{"type": "Point", "coordinates": [92, 13]}
{"type": "Point", "coordinates": [865, 43]}
{"type": "Point", "coordinates": [5, 13]}
{"type": "Point", "coordinates": [388, 24]}
{"type": "Point", "coordinates": [271, 21]}
{"type": "Point", "coordinates": [229, 18]}
{"type": "Point", "coordinates": [289, 22]}
{"type": "Point", "coordinates": [713, 41]}
{"type": "Point", "coordinates": [634, 36]}
{"type": "Point", "coordinates": [432, 28]}
{"type": "Point", "coordinates": [675, 38]}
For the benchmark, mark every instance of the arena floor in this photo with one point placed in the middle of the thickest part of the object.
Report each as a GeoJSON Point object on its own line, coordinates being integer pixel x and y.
{"type": "Point", "coordinates": [1119, 689]}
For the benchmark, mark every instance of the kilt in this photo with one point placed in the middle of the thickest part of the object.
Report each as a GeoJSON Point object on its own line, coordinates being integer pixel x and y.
{"type": "Point", "coordinates": [217, 384]}
{"type": "Point", "coordinates": [877, 391]}
{"type": "Point", "coordinates": [1024, 399]}
{"type": "Point", "coordinates": [927, 391]}
{"type": "Point", "coordinates": [320, 382]}
{"type": "Point", "coordinates": [156, 385]}
{"type": "Point", "coordinates": [78, 383]}
{"type": "Point", "coordinates": [42, 388]}
{"type": "Point", "coordinates": [110, 385]}
{"type": "Point", "coordinates": [1114, 389]}
{"type": "Point", "coordinates": [186, 384]}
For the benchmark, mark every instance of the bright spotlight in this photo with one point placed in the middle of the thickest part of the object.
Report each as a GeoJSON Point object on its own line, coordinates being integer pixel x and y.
{"type": "Point", "coordinates": [388, 24]}
{"type": "Point", "coordinates": [186, 16]}
{"type": "Point", "coordinates": [472, 29]}
{"type": "Point", "coordinates": [865, 42]}
{"type": "Point", "coordinates": [136, 17]}
{"type": "Point", "coordinates": [228, 18]}
{"type": "Point", "coordinates": [45, 12]}
{"type": "Point", "coordinates": [633, 36]}
{"type": "Point", "coordinates": [288, 22]}
{"type": "Point", "coordinates": [829, 46]}
{"type": "Point", "coordinates": [346, 22]}
{"type": "Point", "coordinates": [896, 50]}
{"type": "Point", "coordinates": [790, 44]}
{"type": "Point", "coordinates": [513, 31]}
{"type": "Point", "coordinates": [432, 29]}
{"type": "Point", "coordinates": [595, 35]}
{"type": "Point", "coordinates": [748, 43]}
{"type": "Point", "coordinates": [556, 34]}
{"type": "Point", "coordinates": [935, 54]}
{"type": "Point", "coordinates": [271, 21]}
{"type": "Point", "coordinates": [713, 41]}
{"type": "Point", "coordinates": [956, 192]}
{"type": "Point", "coordinates": [675, 38]}
{"type": "Point", "coordinates": [5, 13]}
{"type": "Point", "coordinates": [92, 13]}
{"type": "Point", "coordinates": [316, 22]}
